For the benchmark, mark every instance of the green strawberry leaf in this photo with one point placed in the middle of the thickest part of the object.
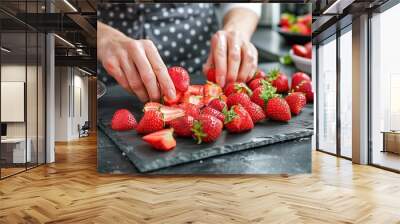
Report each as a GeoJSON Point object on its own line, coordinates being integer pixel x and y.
{"type": "Point", "coordinates": [286, 60]}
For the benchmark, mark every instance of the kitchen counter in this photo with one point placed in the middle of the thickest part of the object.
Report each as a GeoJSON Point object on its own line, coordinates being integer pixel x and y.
{"type": "Point", "coordinates": [286, 157]}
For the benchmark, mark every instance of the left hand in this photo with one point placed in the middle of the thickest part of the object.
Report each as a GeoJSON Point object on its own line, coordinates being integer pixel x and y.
{"type": "Point", "coordinates": [233, 56]}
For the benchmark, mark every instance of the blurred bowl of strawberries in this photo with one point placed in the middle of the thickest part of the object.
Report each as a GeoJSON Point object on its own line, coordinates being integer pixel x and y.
{"type": "Point", "coordinates": [295, 29]}
{"type": "Point", "coordinates": [301, 56]}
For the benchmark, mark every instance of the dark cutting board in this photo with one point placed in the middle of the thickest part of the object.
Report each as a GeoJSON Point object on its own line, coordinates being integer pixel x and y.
{"type": "Point", "coordinates": [147, 159]}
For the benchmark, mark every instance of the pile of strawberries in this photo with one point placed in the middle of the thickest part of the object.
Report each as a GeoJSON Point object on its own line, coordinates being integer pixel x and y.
{"type": "Point", "coordinates": [203, 111]}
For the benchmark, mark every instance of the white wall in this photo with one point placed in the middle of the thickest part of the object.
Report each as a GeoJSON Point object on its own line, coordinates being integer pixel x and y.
{"type": "Point", "coordinates": [70, 83]}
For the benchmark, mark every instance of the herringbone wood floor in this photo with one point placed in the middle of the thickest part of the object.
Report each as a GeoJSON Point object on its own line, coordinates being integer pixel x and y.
{"type": "Point", "coordinates": [70, 191]}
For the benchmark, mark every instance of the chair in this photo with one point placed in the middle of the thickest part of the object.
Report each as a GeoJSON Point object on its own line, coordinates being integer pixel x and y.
{"type": "Point", "coordinates": [84, 130]}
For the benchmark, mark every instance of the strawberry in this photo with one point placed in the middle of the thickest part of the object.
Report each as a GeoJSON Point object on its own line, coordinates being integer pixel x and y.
{"type": "Point", "coordinates": [211, 75]}
{"type": "Point", "coordinates": [162, 140]}
{"type": "Point", "coordinates": [306, 19]}
{"type": "Point", "coordinates": [180, 78]}
{"type": "Point", "coordinates": [175, 101]}
{"type": "Point", "coordinates": [123, 120]}
{"type": "Point", "coordinates": [183, 126]}
{"type": "Point", "coordinates": [300, 28]}
{"type": "Point", "coordinates": [298, 77]}
{"type": "Point", "coordinates": [296, 102]}
{"type": "Point", "coordinates": [217, 104]}
{"type": "Point", "coordinates": [213, 112]}
{"type": "Point", "coordinates": [255, 83]}
{"type": "Point", "coordinates": [310, 97]}
{"type": "Point", "coordinates": [170, 113]}
{"type": "Point", "coordinates": [194, 99]}
{"type": "Point", "coordinates": [278, 109]}
{"type": "Point", "coordinates": [152, 106]}
{"type": "Point", "coordinates": [304, 87]}
{"type": "Point", "coordinates": [151, 121]}
{"type": "Point", "coordinates": [237, 87]}
{"type": "Point", "coordinates": [278, 80]}
{"type": "Point", "coordinates": [262, 94]}
{"type": "Point", "coordinates": [212, 89]}
{"type": "Point", "coordinates": [238, 98]}
{"type": "Point", "coordinates": [299, 50]}
{"type": "Point", "coordinates": [195, 90]}
{"type": "Point", "coordinates": [259, 74]}
{"type": "Point", "coordinates": [190, 109]}
{"type": "Point", "coordinates": [207, 128]}
{"type": "Point", "coordinates": [256, 112]}
{"type": "Point", "coordinates": [237, 120]}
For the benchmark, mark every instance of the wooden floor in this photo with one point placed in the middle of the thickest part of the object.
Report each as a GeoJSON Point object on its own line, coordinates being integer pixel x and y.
{"type": "Point", "coordinates": [70, 191]}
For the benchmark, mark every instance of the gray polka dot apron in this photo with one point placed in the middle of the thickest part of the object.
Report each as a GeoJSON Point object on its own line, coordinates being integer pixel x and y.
{"type": "Point", "coordinates": [180, 31]}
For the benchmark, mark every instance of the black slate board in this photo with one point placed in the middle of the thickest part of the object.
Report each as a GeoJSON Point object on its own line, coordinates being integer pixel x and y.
{"type": "Point", "coordinates": [147, 159]}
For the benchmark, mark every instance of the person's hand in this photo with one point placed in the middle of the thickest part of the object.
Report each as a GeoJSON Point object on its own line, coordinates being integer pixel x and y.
{"type": "Point", "coordinates": [135, 64]}
{"type": "Point", "coordinates": [233, 56]}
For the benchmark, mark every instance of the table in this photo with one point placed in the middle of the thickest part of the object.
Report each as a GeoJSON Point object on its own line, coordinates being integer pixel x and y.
{"type": "Point", "coordinates": [391, 141]}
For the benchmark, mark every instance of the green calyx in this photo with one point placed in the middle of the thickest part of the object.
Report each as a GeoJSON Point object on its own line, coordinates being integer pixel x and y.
{"type": "Point", "coordinates": [273, 74]}
{"type": "Point", "coordinates": [242, 88]}
{"type": "Point", "coordinates": [229, 114]}
{"type": "Point", "coordinates": [268, 92]}
{"type": "Point", "coordinates": [198, 133]}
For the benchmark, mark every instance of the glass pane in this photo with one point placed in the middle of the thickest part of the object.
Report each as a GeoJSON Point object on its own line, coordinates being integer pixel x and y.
{"type": "Point", "coordinates": [13, 85]}
{"type": "Point", "coordinates": [346, 93]}
{"type": "Point", "coordinates": [385, 86]}
{"type": "Point", "coordinates": [41, 99]}
{"type": "Point", "coordinates": [327, 97]}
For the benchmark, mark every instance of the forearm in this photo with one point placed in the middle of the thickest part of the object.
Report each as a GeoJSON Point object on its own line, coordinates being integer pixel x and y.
{"type": "Point", "coordinates": [241, 20]}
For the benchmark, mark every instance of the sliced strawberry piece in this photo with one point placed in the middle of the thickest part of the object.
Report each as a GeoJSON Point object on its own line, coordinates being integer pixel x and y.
{"type": "Point", "coordinates": [195, 90]}
{"type": "Point", "coordinates": [123, 120]}
{"type": "Point", "coordinates": [162, 140]}
{"type": "Point", "coordinates": [212, 90]}
{"type": "Point", "coordinates": [180, 78]}
{"type": "Point", "coordinates": [194, 99]}
{"type": "Point", "coordinates": [170, 113]}
{"type": "Point", "coordinates": [152, 106]}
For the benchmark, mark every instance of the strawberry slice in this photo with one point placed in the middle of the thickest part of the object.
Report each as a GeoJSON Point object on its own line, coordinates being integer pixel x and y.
{"type": "Point", "coordinates": [123, 120]}
{"type": "Point", "coordinates": [170, 113]}
{"type": "Point", "coordinates": [195, 90]}
{"type": "Point", "coordinates": [162, 140]}
{"type": "Point", "coordinates": [212, 90]}
{"type": "Point", "coordinates": [152, 106]}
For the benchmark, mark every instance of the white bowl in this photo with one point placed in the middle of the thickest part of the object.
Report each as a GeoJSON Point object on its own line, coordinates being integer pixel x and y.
{"type": "Point", "coordinates": [303, 64]}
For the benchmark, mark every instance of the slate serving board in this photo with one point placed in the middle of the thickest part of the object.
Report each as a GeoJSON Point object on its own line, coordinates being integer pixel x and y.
{"type": "Point", "coordinates": [147, 159]}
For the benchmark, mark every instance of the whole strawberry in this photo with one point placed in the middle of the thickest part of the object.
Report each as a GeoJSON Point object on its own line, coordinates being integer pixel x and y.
{"type": "Point", "coordinates": [259, 74]}
{"type": "Point", "coordinates": [211, 75]}
{"type": "Point", "coordinates": [237, 87]}
{"type": "Point", "coordinates": [238, 98]}
{"type": "Point", "coordinates": [310, 97]}
{"type": "Point", "coordinates": [255, 83]}
{"type": "Point", "coordinates": [262, 94]}
{"type": "Point", "coordinates": [298, 77]}
{"type": "Point", "coordinates": [213, 112]}
{"type": "Point", "coordinates": [237, 120]}
{"type": "Point", "coordinates": [278, 109]}
{"type": "Point", "coordinates": [217, 104]}
{"type": "Point", "coordinates": [207, 128]}
{"type": "Point", "coordinates": [183, 126]}
{"type": "Point", "coordinates": [256, 112]}
{"type": "Point", "coordinates": [123, 120]}
{"type": "Point", "coordinates": [190, 109]}
{"type": "Point", "coordinates": [180, 78]}
{"type": "Point", "coordinates": [296, 102]}
{"type": "Point", "coordinates": [279, 80]}
{"type": "Point", "coordinates": [151, 121]}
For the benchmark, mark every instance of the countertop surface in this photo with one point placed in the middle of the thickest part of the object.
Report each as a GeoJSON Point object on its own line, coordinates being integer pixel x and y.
{"type": "Point", "coordinates": [270, 44]}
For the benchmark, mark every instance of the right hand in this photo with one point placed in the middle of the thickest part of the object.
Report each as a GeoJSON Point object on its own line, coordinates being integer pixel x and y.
{"type": "Point", "coordinates": [135, 64]}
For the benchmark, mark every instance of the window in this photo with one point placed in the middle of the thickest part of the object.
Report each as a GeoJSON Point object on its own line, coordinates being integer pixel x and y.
{"type": "Point", "coordinates": [327, 96]}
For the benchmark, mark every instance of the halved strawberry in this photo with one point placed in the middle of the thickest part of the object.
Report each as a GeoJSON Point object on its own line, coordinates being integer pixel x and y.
{"type": "Point", "coordinates": [123, 120]}
{"type": "Point", "coordinates": [195, 90]}
{"type": "Point", "coordinates": [152, 106]}
{"type": "Point", "coordinates": [237, 120]}
{"type": "Point", "coordinates": [296, 102]}
{"type": "Point", "coordinates": [278, 80]}
{"type": "Point", "coordinates": [278, 109]}
{"type": "Point", "coordinates": [162, 140]}
{"type": "Point", "coordinates": [151, 121]}
{"type": "Point", "coordinates": [237, 87]}
{"type": "Point", "coordinates": [238, 98]}
{"type": "Point", "coordinates": [170, 113]}
{"type": "Point", "coordinates": [183, 126]}
{"type": "Point", "coordinates": [213, 112]}
{"type": "Point", "coordinates": [175, 101]}
{"type": "Point", "coordinates": [212, 90]}
{"type": "Point", "coordinates": [180, 78]}
{"type": "Point", "coordinates": [194, 99]}
{"type": "Point", "coordinates": [207, 128]}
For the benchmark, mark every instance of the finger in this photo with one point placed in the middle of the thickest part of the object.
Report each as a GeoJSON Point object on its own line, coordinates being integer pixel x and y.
{"type": "Point", "coordinates": [160, 70]}
{"type": "Point", "coordinates": [138, 54]}
{"type": "Point", "coordinates": [132, 76]}
{"type": "Point", "coordinates": [248, 64]}
{"type": "Point", "coordinates": [255, 53]}
{"type": "Point", "coordinates": [112, 67]}
{"type": "Point", "coordinates": [219, 51]}
{"type": "Point", "coordinates": [208, 65]}
{"type": "Point", "coordinates": [234, 47]}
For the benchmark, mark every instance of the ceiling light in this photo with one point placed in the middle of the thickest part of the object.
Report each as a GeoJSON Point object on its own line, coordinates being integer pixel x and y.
{"type": "Point", "coordinates": [5, 50]}
{"type": "Point", "coordinates": [70, 5]}
{"type": "Point", "coordinates": [84, 71]}
{"type": "Point", "coordinates": [65, 41]}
